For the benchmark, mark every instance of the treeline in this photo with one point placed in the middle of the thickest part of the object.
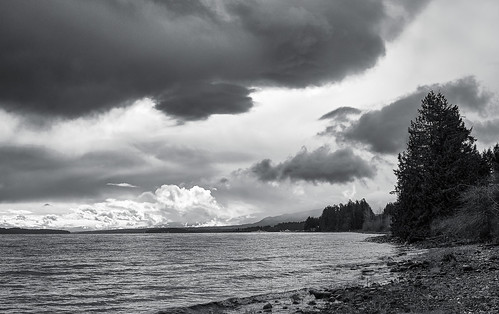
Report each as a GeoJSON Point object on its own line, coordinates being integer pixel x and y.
{"type": "Point", "coordinates": [280, 227]}
{"type": "Point", "coordinates": [353, 216]}
{"type": "Point", "coordinates": [31, 231]}
{"type": "Point", "coordinates": [445, 187]}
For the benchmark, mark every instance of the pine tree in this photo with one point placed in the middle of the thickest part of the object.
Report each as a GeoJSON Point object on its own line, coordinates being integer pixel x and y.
{"type": "Point", "coordinates": [491, 157]}
{"type": "Point", "coordinates": [345, 217]}
{"type": "Point", "coordinates": [440, 162]}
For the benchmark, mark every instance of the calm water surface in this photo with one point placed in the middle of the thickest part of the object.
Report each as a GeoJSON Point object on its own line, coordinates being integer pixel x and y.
{"type": "Point", "coordinates": [144, 273]}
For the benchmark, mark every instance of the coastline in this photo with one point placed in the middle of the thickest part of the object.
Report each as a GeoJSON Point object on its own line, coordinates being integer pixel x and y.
{"type": "Point", "coordinates": [449, 278]}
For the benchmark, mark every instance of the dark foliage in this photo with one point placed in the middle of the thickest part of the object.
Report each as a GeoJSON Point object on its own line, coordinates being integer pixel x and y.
{"type": "Point", "coordinates": [491, 157]}
{"type": "Point", "coordinates": [31, 231]}
{"type": "Point", "coordinates": [344, 217]}
{"type": "Point", "coordinates": [283, 226]}
{"type": "Point", "coordinates": [380, 222]}
{"type": "Point", "coordinates": [478, 217]}
{"type": "Point", "coordinates": [390, 208]}
{"type": "Point", "coordinates": [312, 224]}
{"type": "Point", "coordinates": [440, 162]}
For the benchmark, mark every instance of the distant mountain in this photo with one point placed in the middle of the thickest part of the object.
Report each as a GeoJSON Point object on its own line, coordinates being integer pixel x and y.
{"type": "Point", "coordinates": [174, 228]}
{"type": "Point", "coordinates": [293, 217]}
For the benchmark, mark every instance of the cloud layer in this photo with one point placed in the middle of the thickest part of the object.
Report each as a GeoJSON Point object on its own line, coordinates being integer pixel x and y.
{"type": "Point", "coordinates": [321, 165]}
{"type": "Point", "coordinates": [195, 58]}
{"type": "Point", "coordinates": [168, 204]}
{"type": "Point", "coordinates": [35, 172]}
{"type": "Point", "coordinates": [385, 130]}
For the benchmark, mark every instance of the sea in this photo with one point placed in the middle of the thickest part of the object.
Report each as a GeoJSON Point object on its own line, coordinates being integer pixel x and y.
{"type": "Point", "coordinates": [146, 273]}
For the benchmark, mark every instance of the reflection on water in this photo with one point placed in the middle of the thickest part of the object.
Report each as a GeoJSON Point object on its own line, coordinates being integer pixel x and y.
{"type": "Point", "coordinates": [148, 272]}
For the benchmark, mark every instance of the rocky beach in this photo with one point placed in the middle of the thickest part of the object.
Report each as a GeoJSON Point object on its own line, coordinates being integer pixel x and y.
{"type": "Point", "coordinates": [427, 278]}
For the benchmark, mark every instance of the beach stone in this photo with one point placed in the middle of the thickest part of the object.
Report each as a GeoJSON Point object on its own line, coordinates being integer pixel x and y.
{"type": "Point", "coordinates": [296, 297]}
{"type": "Point", "coordinates": [320, 294]}
{"type": "Point", "coordinates": [467, 267]}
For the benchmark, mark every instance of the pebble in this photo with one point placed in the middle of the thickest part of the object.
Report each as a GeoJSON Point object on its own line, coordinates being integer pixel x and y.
{"type": "Point", "coordinates": [467, 267]}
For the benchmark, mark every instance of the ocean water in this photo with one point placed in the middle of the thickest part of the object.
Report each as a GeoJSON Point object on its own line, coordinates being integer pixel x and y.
{"type": "Point", "coordinates": [145, 273]}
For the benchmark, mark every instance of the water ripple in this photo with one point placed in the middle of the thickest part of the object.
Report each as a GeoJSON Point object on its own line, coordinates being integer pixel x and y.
{"type": "Point", "coordinates": [141, 273]}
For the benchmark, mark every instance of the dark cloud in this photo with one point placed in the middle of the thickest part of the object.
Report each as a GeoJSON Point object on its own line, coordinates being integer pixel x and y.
{"type": "Point", "coordinates": [197, 58]}
{"type": "Point", "coordinates": [321, 165]}
{"type": "Point", "coordinates": [202, 100]}
{"type": "Point", "coordinates": [340, 113]}
{"type": "Point", "coordinates": [467, 94]}
{"type": "Point", "coordinates": [385, 130]}
{"type": "Point", "coordinates": [32, 172]}
{"type": "Point", "coordinates": [37, 173]}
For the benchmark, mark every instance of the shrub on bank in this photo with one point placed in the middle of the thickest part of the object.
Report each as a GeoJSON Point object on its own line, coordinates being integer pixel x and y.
{"type": "Point", "coordinates": [477, 218]}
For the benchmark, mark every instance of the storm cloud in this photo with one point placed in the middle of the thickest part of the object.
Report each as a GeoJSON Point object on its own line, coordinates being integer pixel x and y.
{"type": "Point", "coordinates": [33, 172]}
{"type": "Point", "coordinates": [194, 58]}
{"type": "Point", "coordinates": [385, 130]}
{"type": "Point", "coordinates": [321, 165]}
{"type": "Point", "coordinates": [37, 173]}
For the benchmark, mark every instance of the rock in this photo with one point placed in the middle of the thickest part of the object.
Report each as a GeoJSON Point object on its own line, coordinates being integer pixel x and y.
{"type": "Point", "coordinates": [467, 267]}
{"type": "Point", "coordinates": [399, 268]}
{"type": "Point", "coordinates": [320, 294]}
{"type": "Point", "coordinates": [449, 257]}
{"type": "Point", "coordinates": [296, 297]}
{"type": "Point", "coordinates": [267, 306]}
{"type": "Point", "coordinates": [312, 302]}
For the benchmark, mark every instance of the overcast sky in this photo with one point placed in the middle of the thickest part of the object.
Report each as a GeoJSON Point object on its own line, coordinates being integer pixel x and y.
{"type": "Point", "coordinates": [141, 113]}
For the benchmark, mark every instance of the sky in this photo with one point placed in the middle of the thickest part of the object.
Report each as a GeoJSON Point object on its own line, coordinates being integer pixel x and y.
{"type": "Point", "coordinates": [125, 114]}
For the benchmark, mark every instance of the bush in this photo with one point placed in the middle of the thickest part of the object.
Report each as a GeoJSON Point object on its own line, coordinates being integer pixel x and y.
{"type": "Point", "coordinates": [478, 217]}
{"type": "Point", "coordinates": [378, 223]}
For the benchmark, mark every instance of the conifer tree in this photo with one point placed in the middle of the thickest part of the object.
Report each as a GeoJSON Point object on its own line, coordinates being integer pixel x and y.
{"type": "Point", "coordinates": [491, 157]}
{"type": "Point", "coordinates": [439, 163]}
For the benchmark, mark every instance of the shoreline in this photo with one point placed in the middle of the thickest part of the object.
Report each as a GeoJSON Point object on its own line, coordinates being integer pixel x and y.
{"type": "Point", "coordinates": [443, 279]}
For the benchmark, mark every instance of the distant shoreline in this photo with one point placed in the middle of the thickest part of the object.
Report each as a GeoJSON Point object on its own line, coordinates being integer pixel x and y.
{"type": "Point", "coordinates": [223, 229]}
{"type": "Point", "coordinates": [32, 231]}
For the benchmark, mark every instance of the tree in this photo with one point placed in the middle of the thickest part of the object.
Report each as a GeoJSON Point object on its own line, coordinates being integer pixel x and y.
{"type": "Point", "coordinates": [345, 217]}
{"type": "Point", "coordinates": [491, 157]}
{"type": "Point", "coordinates": [312, 224]}
{"type": "Point", "coordinates": [439, 163]}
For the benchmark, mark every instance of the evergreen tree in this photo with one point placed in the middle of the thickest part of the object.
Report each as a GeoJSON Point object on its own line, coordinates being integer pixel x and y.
{"type": "Point", "coordinates": [311, 223]}
{"type": "Point", "coordinates": [440, 162]}
{"type": "Point", "coordinates": [345, 217]}
{"type": "Point", "coordinates": [491, 157]}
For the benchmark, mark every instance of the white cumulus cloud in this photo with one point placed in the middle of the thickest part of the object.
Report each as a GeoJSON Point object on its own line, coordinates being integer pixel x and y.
{"type": "Point", "coordinates": [168, 205]}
